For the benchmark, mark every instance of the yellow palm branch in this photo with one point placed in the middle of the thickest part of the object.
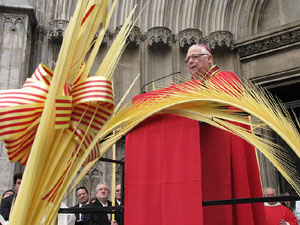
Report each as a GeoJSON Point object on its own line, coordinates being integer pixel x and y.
{"type": "Point", "coordinates": [222, 105]}
{"type": "Point", "coordinates": [72, 108]}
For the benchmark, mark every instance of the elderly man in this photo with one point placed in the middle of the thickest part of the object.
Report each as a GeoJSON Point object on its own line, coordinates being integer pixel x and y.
{"type": "Point", "coordinates": [102, 194]}
{"type": "Point", "coordinates": [277, 213]}
{"type": "Point", "coordinates": [7, 202]}
{"type": "Point", "coordinates": [208, 163]}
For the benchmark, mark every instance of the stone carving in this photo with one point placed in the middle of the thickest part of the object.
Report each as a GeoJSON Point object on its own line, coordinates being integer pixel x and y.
{"type": "Point", "coordinates": [13, 23]}
{"type": "Point", "coordinates": [269, 43]}
{"type": "Point", "coordinates": [159, 37]}
{"type": "Point", "coordinates": [189, 37]}
{"type": "Point", "coordinates": [57, 28]}
{"type": "Point", "coordinates": [219, 41]}
{"type": "Point", "coordinates": [94, 172]}
{"type": "Point", "coordinates": [134, 38]}
{"type": "Point", "coordinates": [40, 29]}
{"type": "Point", "coordinates": [107, 36]}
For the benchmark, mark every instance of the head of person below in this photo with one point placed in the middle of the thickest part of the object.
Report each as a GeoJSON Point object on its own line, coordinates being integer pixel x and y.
{"type": "Point", "coordinates": [118, 194]}
{"type": "Point", "coordinates": [277, 213]}
{"type": "Point", "coordinates": [82, 196]}
{"type": "Point", "coordinates": [17, 181]}
{"type": "Point", "coordinates": [102, 194]}
{"type": "Point", "coordinates": [199, 61]}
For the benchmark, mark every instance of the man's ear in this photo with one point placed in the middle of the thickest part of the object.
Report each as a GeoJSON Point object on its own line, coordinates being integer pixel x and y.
{"type": "Point", "coordinates": [210, 58]}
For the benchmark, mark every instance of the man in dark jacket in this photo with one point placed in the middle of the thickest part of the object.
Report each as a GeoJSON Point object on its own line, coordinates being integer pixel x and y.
{"type": "Point", "coordinates": [102, 194]}
{"type": "Point", "coordinates": [7, 202]}
{"type": "Point", "coordinates": [83, 197]}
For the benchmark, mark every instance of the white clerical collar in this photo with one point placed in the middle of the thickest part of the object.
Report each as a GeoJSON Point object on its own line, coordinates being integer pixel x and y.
{"type": "Point", "coordinates": [276, 204]}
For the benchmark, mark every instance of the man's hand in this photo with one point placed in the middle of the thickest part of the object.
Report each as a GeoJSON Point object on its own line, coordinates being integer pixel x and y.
{"type": "Point", "coordinates": [283, 222]}
{"type": "Point", "coordinates": [114, 222]}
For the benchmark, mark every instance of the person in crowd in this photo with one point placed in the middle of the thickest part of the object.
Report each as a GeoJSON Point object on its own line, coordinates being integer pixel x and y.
{"type": "Point", "coordinates": [83, 197]}
{"type": "Point", "coordinates": [7, 202]}
{"type": "Point", "coordinates": [277, 213]}
{"type": "Point", "coordinates": [286, 203]}
{"type": "Point", "coordinates": [118, 195]}
{"type": "Point", "coordinates": [297, 211]}
{"type": "Point", "coordinates": [93, 199]}
{"type": "Point", "coordinates": [7, 193]}
{"type": "Point", "coordinates": [119, 216]}
{"type": "Point", "coordinates": [102, 194]}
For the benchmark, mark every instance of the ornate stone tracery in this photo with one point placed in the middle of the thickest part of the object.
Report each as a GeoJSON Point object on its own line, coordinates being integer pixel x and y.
{"type": "Point", "coordinates": [107, 36]}
{"type": "Point", "coordinates": [134, 37]}
{"type": "Point", "coordinates": [219, 41]}
{"type": "Point", "coordinates": [13, 23]}
{"type": "Point", "coordinates": [159, 37]}
{"type": "Point", "coordinates": [189, 37]}
{"type": "Point", "coordinates": [57, 28]}
{"type": "Point", "coordinates": [269, 43]}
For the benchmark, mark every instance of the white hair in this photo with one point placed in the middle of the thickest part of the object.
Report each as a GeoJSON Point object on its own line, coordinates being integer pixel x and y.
{"type": "Point", "coordinates": [269, 188]}
{"type": "Point", "coordinates": [98, 185]}
{"type": "Point", "coordinates": [205, 51]}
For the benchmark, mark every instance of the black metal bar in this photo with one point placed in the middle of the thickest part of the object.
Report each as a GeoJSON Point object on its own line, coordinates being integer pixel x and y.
{"type": "Point", "coordinates": [111, 160]}
{"type": "Point", "coordinates": [250, 200]}
{"type": "Point", "coordinates": [93, 209]}
{"type": "Point", "coordinates": [142, 90]}
{"type": "Point", "coordinates": [117, 209]}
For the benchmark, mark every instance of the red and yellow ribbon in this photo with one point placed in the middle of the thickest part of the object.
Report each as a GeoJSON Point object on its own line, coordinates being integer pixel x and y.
{"type": "Point", "coordinates": [20, 112]}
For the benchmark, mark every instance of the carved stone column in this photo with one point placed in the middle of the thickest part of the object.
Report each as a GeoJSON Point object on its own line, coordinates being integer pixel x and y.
{"type": "Point", "coordinates": [159, 37]}
{"type": "Point", "coordinates": [189, 37]}
{"type": "Point", "coordinates": [17, 23]}
{"type": "Point", "coordinates": [219, 41]}
{"type": "Point", "coordinates": [57, 29]}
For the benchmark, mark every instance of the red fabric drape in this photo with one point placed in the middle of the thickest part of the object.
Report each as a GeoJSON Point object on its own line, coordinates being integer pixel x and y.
{"type": "Point", "coordinates": [169, 169]}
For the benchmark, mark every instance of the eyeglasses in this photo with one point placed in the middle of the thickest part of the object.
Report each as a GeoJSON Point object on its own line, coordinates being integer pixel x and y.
{"type": "Point", "coordinates": [194, 56]}
{"type": "Point", "coordinates": [103, 189]}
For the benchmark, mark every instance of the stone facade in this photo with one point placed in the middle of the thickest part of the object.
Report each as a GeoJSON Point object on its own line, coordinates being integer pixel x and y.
{"type": "Point", "coordinates": [244, 36]}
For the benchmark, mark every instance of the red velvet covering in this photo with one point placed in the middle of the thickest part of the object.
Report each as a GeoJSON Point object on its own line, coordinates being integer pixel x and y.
{"type": "Point", "coordinates": [169, 170]}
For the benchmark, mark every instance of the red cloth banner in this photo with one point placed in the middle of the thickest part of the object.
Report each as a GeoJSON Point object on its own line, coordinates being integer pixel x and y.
{"type": "Point", "coordinates": [169, 171]}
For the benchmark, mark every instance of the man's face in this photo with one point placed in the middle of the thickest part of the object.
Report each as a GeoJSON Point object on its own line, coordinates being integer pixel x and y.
{"type": "Point", "coordinates": [17, 185]}
{"type": "Point", "coordinates": [198, 63]}
{"type": "Point", "coordinates": [118, 192]}
{"type": "Point", "coordinates": [102, 192]}
{"type": "Point", "coordinates": [82, 196]}
{"type": "Point", "coordinates": [270, 193]}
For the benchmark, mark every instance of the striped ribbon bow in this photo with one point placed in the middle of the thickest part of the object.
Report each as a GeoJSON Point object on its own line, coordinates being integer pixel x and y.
{"type": "Point", "coordinates": [82, 109]}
